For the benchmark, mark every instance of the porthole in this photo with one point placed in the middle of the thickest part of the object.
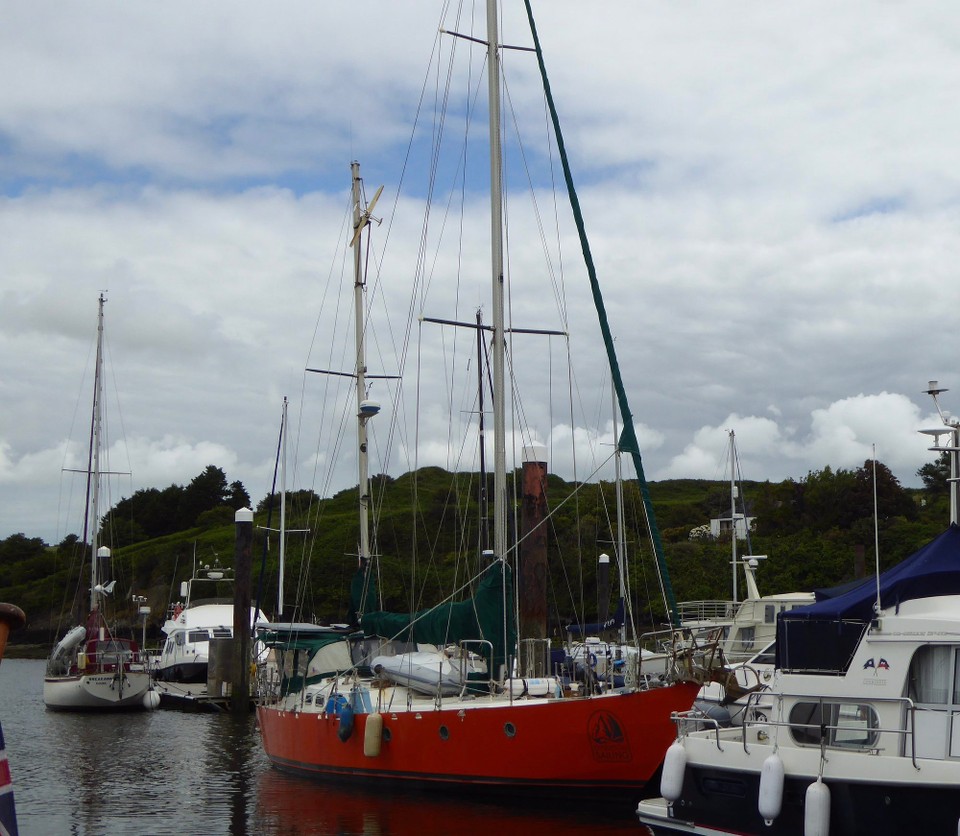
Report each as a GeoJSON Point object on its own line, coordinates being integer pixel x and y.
{"type": "Point", "coordinates": [509, 729]}
{"type": "Point", "coordinates": [386, 734]}
{"type": "Point", "coordinates": [444, 733]}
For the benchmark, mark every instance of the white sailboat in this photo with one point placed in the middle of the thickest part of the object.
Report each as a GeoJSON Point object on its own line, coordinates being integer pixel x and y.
{"type": "Point", "coordinates": [91, 669]}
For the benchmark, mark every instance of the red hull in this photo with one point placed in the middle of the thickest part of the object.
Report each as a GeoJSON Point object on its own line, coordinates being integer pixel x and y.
{"type": "Point", "coordinates": [611, 744]}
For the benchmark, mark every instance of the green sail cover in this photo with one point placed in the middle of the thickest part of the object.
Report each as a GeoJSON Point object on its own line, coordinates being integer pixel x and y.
{"type": "Point", "coordinates": [487, 616]}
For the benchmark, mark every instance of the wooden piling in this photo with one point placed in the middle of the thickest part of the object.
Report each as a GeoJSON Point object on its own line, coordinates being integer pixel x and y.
{"type": "Point", "coordinates": [603, 588]}
{"type": "Point", "coordinates": [242, 571]}
{"type": "Point", "coordinates": [533, 544]}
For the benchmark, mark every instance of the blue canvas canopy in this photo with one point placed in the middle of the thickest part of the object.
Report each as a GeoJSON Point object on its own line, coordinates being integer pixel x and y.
{"type": "Point", "coordinates": [824, 635]}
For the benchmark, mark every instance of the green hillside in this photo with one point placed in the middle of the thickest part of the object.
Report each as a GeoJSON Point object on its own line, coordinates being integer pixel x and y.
{"type": "Point", "coordinates": [816, 532]}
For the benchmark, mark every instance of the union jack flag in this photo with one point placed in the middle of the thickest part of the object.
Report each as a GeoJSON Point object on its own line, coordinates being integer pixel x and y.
{"type": "Point", "coordinates": [8, 812]}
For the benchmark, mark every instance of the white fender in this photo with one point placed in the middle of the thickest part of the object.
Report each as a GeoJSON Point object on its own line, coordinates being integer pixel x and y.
{"type": "Point", "coordinates": [771, 788]}
{"type": "Point", "coordinates": [372, 735]}
{"type": "Point", "coordinates": [816, 810]}
{"type": "Point", "coordinates": [674, 767]}
{"type": "Point", "coordinates": [151, 699]}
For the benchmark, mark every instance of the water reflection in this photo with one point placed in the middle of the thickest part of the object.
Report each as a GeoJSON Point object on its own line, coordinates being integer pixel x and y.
{"type": "Point", "coordinates": [287, 805]}
{"type": "Point", "coordinates": [91, 761]}
{"type": "Point", "coordinates": [170, 772]}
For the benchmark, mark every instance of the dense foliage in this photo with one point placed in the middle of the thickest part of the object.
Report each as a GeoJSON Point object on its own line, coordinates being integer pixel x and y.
{"type": "Point", "coordinates": [817, 531]}
{"type": "Point", "coordinates": [153, 513]}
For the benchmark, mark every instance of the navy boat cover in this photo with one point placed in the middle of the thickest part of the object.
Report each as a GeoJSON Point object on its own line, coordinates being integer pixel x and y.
{"type": "Point", "coordinates": [823, 636]}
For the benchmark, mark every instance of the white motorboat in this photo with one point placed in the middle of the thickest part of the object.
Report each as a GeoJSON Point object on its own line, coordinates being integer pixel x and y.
{"type": "Point", "coordinates": [205, 614]}
{"type": "Point", "coordinates": [862, 735]}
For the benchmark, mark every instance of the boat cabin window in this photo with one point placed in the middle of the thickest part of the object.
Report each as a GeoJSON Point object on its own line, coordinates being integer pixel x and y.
{"type": "Point", "coordinates": [934, 686]}
{"type": "Point", "coordinates": [934, 676]}
{"type": "Point", "coordinates": [769, 614]}
{"type": "Point", "coordinates": [845, 725]}
{"type": "Point", "coordinates": [222, 632]}
{"type": "Point", "coordinates": [113, 646]}
{"type": "Point", "coordinates": [168, 647]}
{"type": "Point", "coordinates": [179, 637]}
{"type": "Point", "coordinates": [199, 636]}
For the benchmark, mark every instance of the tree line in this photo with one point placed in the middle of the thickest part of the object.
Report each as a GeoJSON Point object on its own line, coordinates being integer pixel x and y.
{"type": "Point", "coordinates": [813, 528]}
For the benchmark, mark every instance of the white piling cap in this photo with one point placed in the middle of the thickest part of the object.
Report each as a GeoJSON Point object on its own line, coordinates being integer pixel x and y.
{"type": "Point", "coordinates": [103, 551]}
{"type": "Point", "coordinates": [604, 558]}
{"type": "Point", "coordinates": [243, 515]}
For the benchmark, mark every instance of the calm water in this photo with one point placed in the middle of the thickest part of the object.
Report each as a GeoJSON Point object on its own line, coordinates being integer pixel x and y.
{"type": "Point", "coordinates": [170, 772]}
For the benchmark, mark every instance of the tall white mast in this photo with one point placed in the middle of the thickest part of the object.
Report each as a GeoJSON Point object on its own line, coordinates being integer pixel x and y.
{"type": "Point", "coordinates": [361, 217]}
{"type": "Point", "coordinates": [733, 514]}
{"type": "Point", "coordinates": [97, 438]}
{"type": "Point", "coordinates": [283, 506]}
{"type": "Point", "coordinates": [496, 252]}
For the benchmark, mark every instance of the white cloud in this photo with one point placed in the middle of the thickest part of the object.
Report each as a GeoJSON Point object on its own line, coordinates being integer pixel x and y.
{"type": "Point", "coordinates": [843, 434]}
{"type": "Point", "coordinates": [770, 195]}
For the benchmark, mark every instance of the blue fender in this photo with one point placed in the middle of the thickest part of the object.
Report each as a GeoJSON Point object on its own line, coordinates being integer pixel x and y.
{"type": "Point", "coordinates": [346, 723]}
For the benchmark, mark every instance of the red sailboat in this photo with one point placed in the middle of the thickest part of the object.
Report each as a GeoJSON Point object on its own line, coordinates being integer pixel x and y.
{"type": "Point", "coordinates": [447, 696]}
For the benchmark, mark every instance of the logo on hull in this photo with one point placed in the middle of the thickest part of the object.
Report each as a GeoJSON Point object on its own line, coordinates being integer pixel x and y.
{"type": "Point", "coordinates": [608, 740]}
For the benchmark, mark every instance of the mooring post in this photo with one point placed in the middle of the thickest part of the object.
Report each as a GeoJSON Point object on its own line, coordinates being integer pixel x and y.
{"type": "Point", "coordinates": [11, 618]}
{"type": "Point", "coordinates": [603, 588]}
{"type": "Point", "coordinates": [240, 685]}
{"type": "Point", "coordinates": [533, 561]}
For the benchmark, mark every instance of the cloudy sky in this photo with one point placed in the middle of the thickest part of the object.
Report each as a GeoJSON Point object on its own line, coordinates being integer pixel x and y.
{"type": "Point", "coordinates": [771, 193]}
